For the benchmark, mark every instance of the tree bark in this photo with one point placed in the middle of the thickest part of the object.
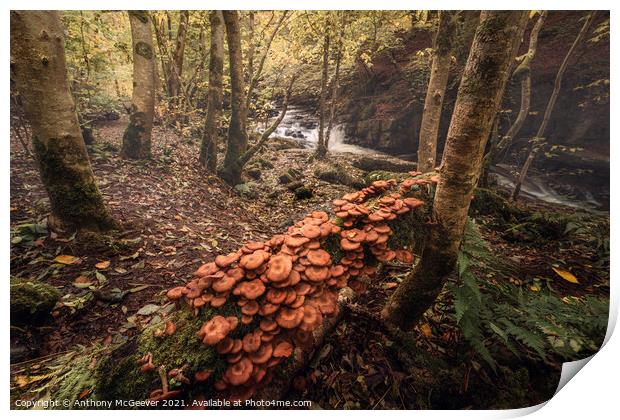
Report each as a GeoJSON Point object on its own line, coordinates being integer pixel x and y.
{"type": "Point", "coordinates": [539, 140]}
{"type": "Point", "coordinates": [482, 85]}
{"type": "Point", "coordinates": [237, 134]}
{"type": "Point", "coordinates": [174, 81]}
{"type": "Point", "coordinates": [39, 69]}
{"type": "Point", "coordinates": [321, 147]}
{"type": "Point", "coordinates": [522, 71]}
{"type": "Point", "coordinates": [335, 80]}
{"type": "Point", "coordinates": [208, 150]}
{"type": "Point", "coordinates": [137, 137]}
{"type": "Point", "coordinates": [440, 71]}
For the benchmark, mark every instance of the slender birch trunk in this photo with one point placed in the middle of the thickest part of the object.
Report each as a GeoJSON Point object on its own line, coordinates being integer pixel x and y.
{"type": "Point", "coordinates": [484, 79]}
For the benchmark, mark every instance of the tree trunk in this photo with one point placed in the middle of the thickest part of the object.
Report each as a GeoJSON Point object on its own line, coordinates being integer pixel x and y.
{"type": "Point", "coordinates": [539, 140]}
{"type": "Point", "coordinates": [137, 137]}
{"type": "Point", "coordinates": [237, 134]}
{"type": "Point", "coordinates": [208, 150]}
{"type": "Point", "coordinates": [482, 85]}
{"type": "Point", "coordinates": [39, 68]}
{"type": "Point", "coordinates": [522, 71]}
{"type": "Point", "coordinates": [174, 81]}
{"type": "Point", "coordinates": [321, 147]}
{"type": "Point", "coordinates": [440, 70]}
{"type": "Point", "coordinates": [335, 80]}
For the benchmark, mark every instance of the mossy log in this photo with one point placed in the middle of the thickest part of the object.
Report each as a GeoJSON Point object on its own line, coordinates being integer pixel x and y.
{"type": "Point", "coordinates": [112, 373]}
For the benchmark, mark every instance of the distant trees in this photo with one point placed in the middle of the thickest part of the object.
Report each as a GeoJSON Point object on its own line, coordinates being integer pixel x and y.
{"type": "Point", "coordinates": [494, 46]}
{"type": "Point", "coordinates": [539, 139]}
{"type": "Point", "coordinates": [522, 72]}
{"type": "Point", "coordinates": [208, 148]}
{"type": "Point", "coordinates": [137, 137]}
{"type": "Point", "coordinates": [440, 70]}
{"type": "Point", "coordinates": [39, 69]}
{"type": "Point", "coordinates": [321, 147]}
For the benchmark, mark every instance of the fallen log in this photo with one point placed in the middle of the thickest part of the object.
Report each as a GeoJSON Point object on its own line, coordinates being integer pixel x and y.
{"type": "Point", "coordinates": [168, 364]}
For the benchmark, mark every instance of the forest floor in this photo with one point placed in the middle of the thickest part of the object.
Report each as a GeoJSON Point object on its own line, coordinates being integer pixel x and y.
{"type": "Point", "coordinates": [174, 217]}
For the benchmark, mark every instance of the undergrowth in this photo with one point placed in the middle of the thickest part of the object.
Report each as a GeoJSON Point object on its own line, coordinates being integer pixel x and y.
{"type": "Point", "coordinates": [541, 326]}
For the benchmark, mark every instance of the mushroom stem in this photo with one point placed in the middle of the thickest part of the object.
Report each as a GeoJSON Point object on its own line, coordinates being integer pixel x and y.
{"type": "Point", "coordinates": [164, 378]}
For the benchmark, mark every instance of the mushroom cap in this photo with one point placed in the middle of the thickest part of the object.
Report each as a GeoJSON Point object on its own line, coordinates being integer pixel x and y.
{"type": "Point", "coordinates": [317, 274]}
{"type": "Point", "coordinates": [279, 268]}
{"type": "Point", "coordinates": [202, 375]}
{"type": "Point", "coordinates": [276, 296]}
{"type": "Point", "coordinates": [268, 325]}
{"type": "Point", "coordinates": [206, 269]}
{"type": "Point", "coordinates": [240, 372]}
{"type": "Point", "coordinates": [353, 235]}
{"type": "Point", "coordinates": [268, 309]}
{"type": "Point", "coordinates": [214, 330]}
{"type": "Point", "coordinates": [289, 318]}
{"type": "Point", "coordinates": [250, 289]}
{"type": "Point", "coordinates": [319, 257]}
{"type": "Point", "coordinates": [250, 308]}
{"type": "Point", "coordinates": [295, 240]}
{"type": "Point", "coordinates": [223, 285]}
{"type": "Point", "coordinates": [225, 346]}
{"type": "Point", "coordinates": [310, 231]}
{"type": "Point", "coordinates": [218, 301]}
{"type": "Point", "coordinates": [312, 318]}
{"type": "Point", "coordinates": [226, 260]}
{"type": "Point", "coordinates": [170, 328]}
{"type": "Point", "coordinates": [251, 342]}
{"type": "Point", "coordinates": [283, 349]}
{"type": "Point", "coordinates": [252, 261]}
{"type": "Point", "coordinates": [302, 288]}
{"type": "Point", "coordinates": [176, 293]}
{"type": "Point", "coordinates": [404, 256]}
{"type": "Point", "coordinates": [236, 273]}
{"type": "Point", "coordinates": [383, 229]}
{"type": "Point", "coordinates": [413, 203]}
{"type": "Point", "coordinates": [336, 270]}
{"type": "Point", "coordinates": [262, 354]}
{"type": "Point", "coordinates": [348, 245]}
{"type": "Point", "coordinates": [255, 245]}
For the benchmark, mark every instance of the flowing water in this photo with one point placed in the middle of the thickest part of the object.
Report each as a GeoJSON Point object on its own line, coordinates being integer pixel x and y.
{"type": "Point", "coordinates": [301, 125]}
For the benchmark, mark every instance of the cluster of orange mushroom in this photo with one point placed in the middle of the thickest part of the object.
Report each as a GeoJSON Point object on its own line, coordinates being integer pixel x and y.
{"type": "Point", "coordinates": [285, 286]}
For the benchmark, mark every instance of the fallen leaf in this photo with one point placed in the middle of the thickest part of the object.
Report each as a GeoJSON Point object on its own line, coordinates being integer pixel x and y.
{"type": "Point", "coordinates": [390, 285]}
{"type": "Point", "coordinates": [83, 394]}
{"type": "Point", "coordinates": [67, 259]}
{"type": "Point", "coordinates": [566, 275]}
{"type": "Point", "coordinates": [426, 331]}
{"type": "Point", "coordinates": [102, 265]}
{"type": "Point", "coordinates": [148, 309]}
{"type": "Point", "coordinates": [535, 288]}
{"type": "Point", "coordinates": [82, 282]}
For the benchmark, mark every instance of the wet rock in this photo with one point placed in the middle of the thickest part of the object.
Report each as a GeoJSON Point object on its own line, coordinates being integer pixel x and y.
{"type": "Point", "coordinates": [339, 175]}
{"type": "Point", "coordinates": [303, 192]}
{"type": "Point", "coordinates": [279, 143]}
{"type": "Point", "coordinates": [289, 176]}
{"type": "Point", "coordinates": [247, 190]}
{"type": "Point", "coordinates": [369, 163]}
{"type": "Point", "coordinates": [254, 173]}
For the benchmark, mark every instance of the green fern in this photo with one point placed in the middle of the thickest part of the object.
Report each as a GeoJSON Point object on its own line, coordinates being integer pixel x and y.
{"type": "Point", "coordinates": [534, 325]}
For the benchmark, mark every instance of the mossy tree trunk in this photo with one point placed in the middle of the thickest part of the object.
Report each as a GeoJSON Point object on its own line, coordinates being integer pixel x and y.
{"type": "Point", "coordinates": [237, 134]}
{"type": "Point", "coordinates": [137, 137]}
{"type": "Point", "coordinates": [539, 140]}
{"type": "Point", "coordinates": [321, 147]}
{"type": "Point", "coordinates": [440, 70]}
{"type": "Point", "coordinates": [174, 81]}
{"type": "Point", "coordinates": [208, 149]}
{"type": "Point", "coordinates": [495, 44]}
{"type": "Point", "coordinates": [39, 69]}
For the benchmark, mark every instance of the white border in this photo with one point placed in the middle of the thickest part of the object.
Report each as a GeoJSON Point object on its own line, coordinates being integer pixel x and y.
{"type": "Point", "coordinates": [594, 394]}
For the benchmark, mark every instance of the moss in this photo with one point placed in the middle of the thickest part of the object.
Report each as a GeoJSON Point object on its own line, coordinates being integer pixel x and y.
{"type": "Point", "coordinates": [103, 244]}
{"type": "Point", "coordinates": [384, 175]}
{"type": "Point", "coordinates": [74, 197]}
{"type": "Point", "coordinates": [31, 301]}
